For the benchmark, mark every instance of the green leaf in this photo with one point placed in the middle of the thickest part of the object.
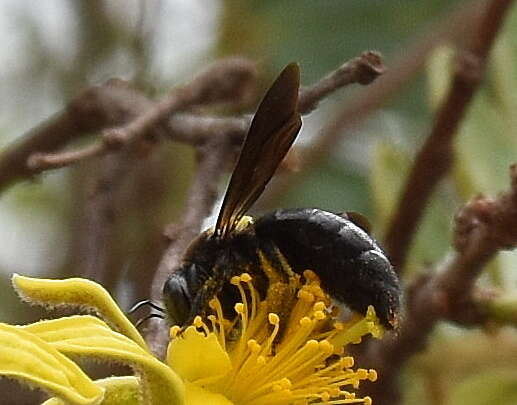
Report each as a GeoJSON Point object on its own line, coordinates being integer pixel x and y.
{"type": "Point", "coordinates": [487, 388]}
{"type": "Point", "coordinates": [439, 69]}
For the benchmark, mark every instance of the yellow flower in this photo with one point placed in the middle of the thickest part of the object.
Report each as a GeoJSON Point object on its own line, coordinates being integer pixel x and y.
{"type": "Point", "coordinates": [300, 361]}
{"type": "Point", "coordinates": [256, 358]}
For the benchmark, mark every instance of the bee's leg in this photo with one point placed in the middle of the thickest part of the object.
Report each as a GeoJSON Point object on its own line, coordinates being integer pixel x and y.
{"type": "Point", "coordinates": [283, 282]}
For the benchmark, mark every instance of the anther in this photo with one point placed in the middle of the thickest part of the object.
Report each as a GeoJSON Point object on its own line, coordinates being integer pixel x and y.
{"type": "Point", "coordinates": [311, 344]}
{"type": "Point", "coordinates": [347, 362]}
{"type": "Point", "coordinates": [253, 346]}
{"type": "Point", "coordinates": [305, 321]}
{"type": "Point", "coordinates": [273, 318]}
{"type": "Point", "coordinates": [198, 322]}
{"type": "Point", "coordinates": [174, 331]}
{"type": "Point", "coordinates": [326, 346]}
{"type": "Point", "coordinates": [239, 308]}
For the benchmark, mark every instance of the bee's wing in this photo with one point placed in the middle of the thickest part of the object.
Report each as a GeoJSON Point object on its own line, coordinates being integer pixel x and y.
{"type": "Point", "coordinates": [272, 132]}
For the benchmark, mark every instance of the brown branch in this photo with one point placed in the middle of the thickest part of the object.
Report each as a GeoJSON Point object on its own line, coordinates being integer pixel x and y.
{"type": "Point", "coordinates": [215, 84]}
{"type": "Point", "coordinates": [196, 130]}
{"type": "Point", "coordinates": [436, 156]}
{"type": "Point", "coordinates": [94, 109]}
{"type": "Point", "coordinates": [45, 161]}
{"type": "Point", "coordinates": [201, 198]}
{"type": "Point", "coordinates": [227, 80]}
{"type": "Point", "coordinates": [96, 220]}
{"type": "Point", "coordinates": [483, 228]}
{"type": "Point", "coordinates": [363, 69]}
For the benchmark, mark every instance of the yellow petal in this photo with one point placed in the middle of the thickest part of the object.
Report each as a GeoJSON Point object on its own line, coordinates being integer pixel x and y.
{"type": "Point", "coordinates": [77, 292]}
{"type": "Point", "coordinates": [118, 391]}
{"type": "Point", "coordinates": [89, 336]}
{"type": "Point", "coordinates": [26, 357]}
{"type": "Point", "coordinates": [198, 358]}
{"type": "Point", "coordinates": [196, 395]}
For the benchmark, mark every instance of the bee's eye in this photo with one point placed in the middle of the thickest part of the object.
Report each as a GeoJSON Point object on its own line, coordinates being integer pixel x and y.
{"type": "Point", "coordinates": [177, 299]}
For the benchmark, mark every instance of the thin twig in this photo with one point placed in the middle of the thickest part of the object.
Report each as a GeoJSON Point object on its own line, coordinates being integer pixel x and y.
{"type": "Point", "coordinates": [196, 130]}
{"type": "Point", "coordinates": [484, 227]}
{"type": "Point", "coordinates": [96, 219]}
{"type": "Point", "coordinates": [227, 80]}
{"type": "Point", "coordinates": [201, 198]}
{"type": "Point", "coordinates": [435, 158]}
{"type": "Point", "coordinates": [94, 109]}
{"type": "Point", "coordinates": [363, 69]}
{"type": "Point", "coordinates": [215, 84]}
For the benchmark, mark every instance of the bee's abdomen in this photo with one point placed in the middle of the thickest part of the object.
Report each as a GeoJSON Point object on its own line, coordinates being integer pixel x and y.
{"type": "Point", "coordinates": [351, 266]}
{"type": "Point", "coordinates": [308, 236]}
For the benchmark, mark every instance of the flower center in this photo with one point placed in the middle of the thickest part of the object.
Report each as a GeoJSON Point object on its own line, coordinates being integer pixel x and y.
{"type": "Point", "coordinates": [298, 360]}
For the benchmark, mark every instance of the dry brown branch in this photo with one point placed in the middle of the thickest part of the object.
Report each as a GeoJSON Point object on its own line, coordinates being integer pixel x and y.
{"type": "Point", "coordinates": [363, 69]}
{"type": "Point", "coordinates": [95, 223]}
{"type": "Point", "coordinates": [201, 198]}
{"type": "Point", "coordinates": [228, 80]}
{"type": "Point", "coordinates": [214, 85]}
{"type": "Point", "coordinates": [94, 109]}
{"type": "Point", "coordinates": [435, 158]}
{"type": "Point", "coordinates": [483, 227]}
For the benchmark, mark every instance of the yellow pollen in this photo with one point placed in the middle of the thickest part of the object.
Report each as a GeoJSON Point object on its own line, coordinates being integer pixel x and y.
{"type": "Point", "coordinates": [274, 319]}
{"type": "Point", "coordinates": [347, 362]}
{"type": "Point", "coordinates": [239, 308]}
{"type": "Point", "coordinates": [174, 331]}
{"type": "Point", "coordinates": [310, 275]}
{"type": "Point", "coordinates": [305, 295]}
{"type": "Point", "coordinates": [198, 322]}
{"type": "Point", "coordinates": [298, 359]}
{"type": "Point", "coordinates": [253, 346]}
{"type": "Point", "coordinates": [326, 347]}
{"type": "Point", "coordinates": [305, 321]}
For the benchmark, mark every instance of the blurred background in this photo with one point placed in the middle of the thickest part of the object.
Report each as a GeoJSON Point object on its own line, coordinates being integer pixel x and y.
{"type": "Point", "coordinates": [54, 49]}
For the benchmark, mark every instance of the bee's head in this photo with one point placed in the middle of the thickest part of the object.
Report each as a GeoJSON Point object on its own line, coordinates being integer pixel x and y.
{"type": "Point", "coordinates": [177, 296]}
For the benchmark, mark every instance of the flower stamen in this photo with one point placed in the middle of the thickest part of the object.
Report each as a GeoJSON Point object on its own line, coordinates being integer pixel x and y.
{"type": "Point", "coordinates": [299, 360]}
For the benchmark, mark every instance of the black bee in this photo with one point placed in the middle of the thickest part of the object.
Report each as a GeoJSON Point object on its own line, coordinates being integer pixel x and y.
{"type": "Point", "coordinates": [352, 267]}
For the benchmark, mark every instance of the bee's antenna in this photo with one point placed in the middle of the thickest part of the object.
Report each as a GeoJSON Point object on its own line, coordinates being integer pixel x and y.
{"type": "Point", "coordinates": [143, 303]}
{"type": "Point", "coordinates": [146, 318]}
